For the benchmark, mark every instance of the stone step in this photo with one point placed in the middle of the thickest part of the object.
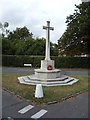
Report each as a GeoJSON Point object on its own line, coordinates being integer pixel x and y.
{"type": "Point", "coordinates": [68, 81]}
{"type": "Point", "coordinates": [47, 82]}
{"type": "Point", "coordinates": [23, 82]}
{"type": "Point", "coordinates": [32, 77]}
{"type": "Point", "coordinates": [58, 84]}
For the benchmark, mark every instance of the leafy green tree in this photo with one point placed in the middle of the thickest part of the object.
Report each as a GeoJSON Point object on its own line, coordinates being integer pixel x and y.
{"type": "Point", "coordinates": [19, 47]}
{"type": "Point", "coordinates": [6, 46]}
{"type": "Point", "coordinates": [21, 42]}
{"type": "Point", "coordinates": [55, 50]}
{"type": "Point", "coordinates": [20, 34]}
{"type": "Point", "coordinates": [28, 46]}
{"type": "Point", "coordinates": [37, 47]}
{"type": "Point", "coordinates": [74, 41]}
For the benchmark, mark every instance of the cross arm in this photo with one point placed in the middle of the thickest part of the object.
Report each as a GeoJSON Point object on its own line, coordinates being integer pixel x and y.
{"type": "Point", "coordinates": [51, 28]}
{"type": "Point", "coordinates": [44, 27]}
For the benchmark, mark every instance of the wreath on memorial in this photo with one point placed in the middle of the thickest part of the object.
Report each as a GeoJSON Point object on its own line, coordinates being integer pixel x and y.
{"type": "Point", "coordinates": [49, 67]}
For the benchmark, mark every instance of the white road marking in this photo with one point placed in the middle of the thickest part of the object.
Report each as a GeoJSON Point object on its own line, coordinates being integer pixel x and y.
{"type": "Point", "coordinates": [25, 109]}
{"type": "Point", "coordinates": [39, 114]}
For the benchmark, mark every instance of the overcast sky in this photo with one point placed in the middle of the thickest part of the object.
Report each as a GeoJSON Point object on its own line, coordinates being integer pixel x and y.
{"type": "Point", "coordinates": [34, 13]}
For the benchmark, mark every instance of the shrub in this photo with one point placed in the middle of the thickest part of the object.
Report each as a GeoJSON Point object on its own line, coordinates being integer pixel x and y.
{"type": "Point", "coordinates": [60, 62]}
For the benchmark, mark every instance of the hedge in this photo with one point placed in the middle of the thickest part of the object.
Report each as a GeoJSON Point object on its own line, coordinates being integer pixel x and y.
{"type": "Point", "coordinates": [60, 62]}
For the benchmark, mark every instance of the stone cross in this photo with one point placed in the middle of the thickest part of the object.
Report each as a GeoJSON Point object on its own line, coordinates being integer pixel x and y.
{"type": "Point", "coordinates": [48, 28]}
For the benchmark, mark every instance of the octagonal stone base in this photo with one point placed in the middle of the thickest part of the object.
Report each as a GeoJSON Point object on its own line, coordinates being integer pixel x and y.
{"type": "Point", "coordinates": [47, 74]}
{"type": "Point", "coordinates": [47, 77]}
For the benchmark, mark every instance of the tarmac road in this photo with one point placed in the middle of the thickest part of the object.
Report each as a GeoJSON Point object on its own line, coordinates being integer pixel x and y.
{"type": "Point", "coordinates": [17, 70]}
{"type": "Point", "coordinates": [31, 71]}
{"type": "Point", "coordinates": [13, 107]}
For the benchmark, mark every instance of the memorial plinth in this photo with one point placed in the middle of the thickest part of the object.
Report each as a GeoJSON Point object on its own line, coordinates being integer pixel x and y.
{"type": "Point", "coordinates": [47, 75]}
{"type": "Point", "coordinates": [46, 63]}
{"type": "Point", "coordinates": [46, 72]}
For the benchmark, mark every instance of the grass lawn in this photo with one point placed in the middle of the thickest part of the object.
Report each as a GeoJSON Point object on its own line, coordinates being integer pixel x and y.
{"type": "Point", "coordinates": [10, 82]}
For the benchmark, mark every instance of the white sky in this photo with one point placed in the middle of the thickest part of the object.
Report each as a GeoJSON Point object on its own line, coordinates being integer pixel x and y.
{"type": "Point", "coordinates": [34, 13]}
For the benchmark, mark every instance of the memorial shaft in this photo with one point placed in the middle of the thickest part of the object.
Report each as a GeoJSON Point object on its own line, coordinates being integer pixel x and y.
{"type": "Point", "coordinates": [47, 42]}
{"type": "Point", "coordinates": [48, 28]}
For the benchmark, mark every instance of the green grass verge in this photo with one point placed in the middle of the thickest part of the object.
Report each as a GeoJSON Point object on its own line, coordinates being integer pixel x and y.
{"type": "Point", "coordinates": [10, 82]}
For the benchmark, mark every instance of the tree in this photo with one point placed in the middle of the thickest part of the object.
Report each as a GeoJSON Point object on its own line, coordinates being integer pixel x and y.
{"type": "Point", "coordinates": [53, 49]}
{"type": "Point", "coordinates": [7, 46]}
{"type": "Point", "coordinates": [21, 42]}
{"type": "Point", "coordinates": [20, 34]}
{"type": "Point", "coordinates": [74, 41]}
{"type": "Point", "coordinates": [28, 46]}
{"type": "Point", "coordinates": [36, 46]}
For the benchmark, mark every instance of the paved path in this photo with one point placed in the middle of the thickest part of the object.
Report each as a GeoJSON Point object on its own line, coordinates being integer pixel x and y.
{"type": "Point", "coordinates": [13, 107]}
{"type": "Point", "coordinates": [31, 71]}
